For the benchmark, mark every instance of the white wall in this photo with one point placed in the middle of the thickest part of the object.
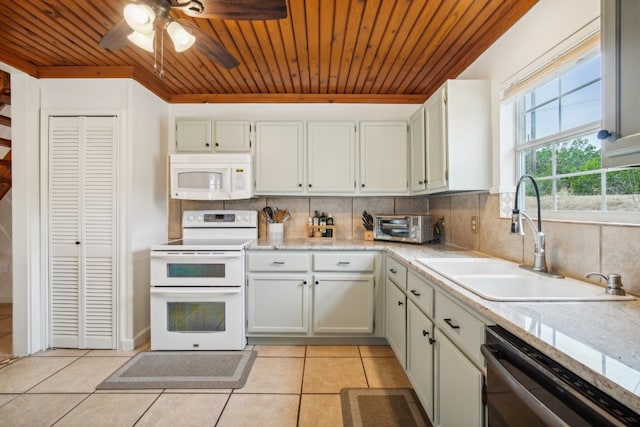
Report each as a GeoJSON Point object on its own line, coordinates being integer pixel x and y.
{"type": "Point", "coordinates": [547, 24]}
{"type": "Point", "coordinates": [5, 224]}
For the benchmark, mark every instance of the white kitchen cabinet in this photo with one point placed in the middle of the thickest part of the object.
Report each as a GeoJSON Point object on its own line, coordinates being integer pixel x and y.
{"type": "Point", "coordinates": [341, 299]}
{"type": "Point", "coordinates": [458, 387]}
{"type": "Point", "coordinates": [233, 136]}
{"type": "Point", "coordinates": [420, 343]}
{"type": "Point", "coordinates": [193, 135]}
{"type": "Point", "coordinates": [458, 137]}
{"type": "Point", "coordinates": [384, 157]}
{"type": "Point", "coordinates": [621, 91]}
{"type": "Point", "coordinates": [418, 182]}
{"type": "Point", "coordinates": [82, 184]}
{"type": "Point", "coordinates": [279, 158]}
{"type": "Point", "coordinates": [343, 303]}
{"type": "Point", "coordinates": [396, 317]}
{"type": "Point", "coordinates": [278, 303]}
{"type": "Point", "coordinates": [331, 157]}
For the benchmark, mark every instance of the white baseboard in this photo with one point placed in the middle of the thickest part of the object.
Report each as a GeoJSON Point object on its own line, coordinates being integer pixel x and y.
{"type": "Point", "coordinates": [140, 338]}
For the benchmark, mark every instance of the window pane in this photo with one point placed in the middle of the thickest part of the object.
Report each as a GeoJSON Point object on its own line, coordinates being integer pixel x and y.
{"type": "Point", "coordinates": [578, 155]}
{"type": "Point", "coordinates": [581, 107]}
{"type": "Point", "coordinates": [546, 195]}
{"type": "Point", "coordinates": [537, 161]}
{"type": "Point", "coordinates": [584, 73]}
{"type": "Point", "coordinates": [579, 193]}
{"type": "Point", "coordinates": [542, 122]}
{"type": "Point", "coordinates": [542, 94]}
{"type": "Point", "coordinates": [623, 190]}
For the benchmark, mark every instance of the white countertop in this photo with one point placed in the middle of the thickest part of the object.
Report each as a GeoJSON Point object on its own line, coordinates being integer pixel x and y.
{"type": "Point", "coordinates": [599, 341]}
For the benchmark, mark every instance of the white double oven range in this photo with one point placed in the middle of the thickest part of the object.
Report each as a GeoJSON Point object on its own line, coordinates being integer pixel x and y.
{"type": "Point", "coordinates": [197, 283]}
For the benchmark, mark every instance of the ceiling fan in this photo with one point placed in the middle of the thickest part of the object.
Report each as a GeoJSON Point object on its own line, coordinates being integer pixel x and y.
{"type": "Point", "coordinates": [144, 19]}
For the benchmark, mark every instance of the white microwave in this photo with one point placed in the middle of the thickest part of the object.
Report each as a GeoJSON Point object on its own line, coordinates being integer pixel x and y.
{"type": "Point", "coordinates": [211, 176]}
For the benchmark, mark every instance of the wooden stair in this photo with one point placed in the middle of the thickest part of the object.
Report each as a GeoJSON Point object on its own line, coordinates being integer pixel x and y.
{"type": "Point", "coordinates": [5, 162]}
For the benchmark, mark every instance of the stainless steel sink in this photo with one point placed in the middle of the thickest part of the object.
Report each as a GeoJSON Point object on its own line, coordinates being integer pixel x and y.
{"type": "Point", "coordinates": [499, 280]}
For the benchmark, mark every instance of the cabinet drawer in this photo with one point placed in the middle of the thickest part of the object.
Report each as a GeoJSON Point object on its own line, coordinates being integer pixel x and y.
{"type": "Point", "coordinates": [397, 272]}
{"type": "Point", "coordinates": [277, 261]}
{"type": "Point", "coordinates": [460, 326]}
{"type": "Point", "coordinates": [421, 293]}
{"type": "Point", "coordinates": [344, 262]}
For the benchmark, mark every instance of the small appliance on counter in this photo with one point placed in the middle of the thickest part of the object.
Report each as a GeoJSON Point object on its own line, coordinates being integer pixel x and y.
{"type": "Point", "coordinates": [403, 228]}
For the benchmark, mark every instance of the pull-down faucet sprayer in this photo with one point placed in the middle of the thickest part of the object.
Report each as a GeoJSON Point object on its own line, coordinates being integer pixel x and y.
{"type": "Point", "coordinates": [539, 260]}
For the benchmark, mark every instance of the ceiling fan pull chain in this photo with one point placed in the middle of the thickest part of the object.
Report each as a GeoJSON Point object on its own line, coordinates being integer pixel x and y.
{"type": "Point", "coordinates": [161, 74]}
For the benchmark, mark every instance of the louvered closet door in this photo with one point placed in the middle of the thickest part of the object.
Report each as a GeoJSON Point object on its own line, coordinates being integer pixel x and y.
{"type": "Point", "coordinates": [82, 231]}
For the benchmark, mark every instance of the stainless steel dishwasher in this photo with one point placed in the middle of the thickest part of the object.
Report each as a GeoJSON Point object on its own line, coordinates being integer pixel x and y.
{"type": "Point", "coordinates": [527, 388]}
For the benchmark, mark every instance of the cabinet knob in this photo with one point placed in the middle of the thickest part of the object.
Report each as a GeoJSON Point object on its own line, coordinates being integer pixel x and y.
{"type": "Point", "coordinates": [431, 341]}
{"type": "Point", "coordinates": [299, 185]}
{"type": "Point", "coordinates": [413, 291]}
{"type": "Point", "coordinates": [206, 144]}
{"type": "Point", "coordinates": [400, 303]}
{"type": "Point", "coordinates": [77, 242]}
{"type": "Point", "coordinates": [304, 282]}
{"type": "Point", "coordinates": [393, 270]}
{"type": "Point", "coordinates": [420, 182]}
{"type": "Point", "coordinates": [604, 134]}
{"type": "Point", "coordinates": [362, 185]}
{"type": "Point", "coordinates": [309, 185]}
{"type": "Point", "coordinates": [317, 282]}
{"type": "Point", "coordinates": [424, 333]}
{"type": "Point", "coordinates": [217, 145]}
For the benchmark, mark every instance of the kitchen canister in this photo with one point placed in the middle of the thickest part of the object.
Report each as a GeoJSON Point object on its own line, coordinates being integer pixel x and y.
{"type": "Point", "coordinates": [275, 232]}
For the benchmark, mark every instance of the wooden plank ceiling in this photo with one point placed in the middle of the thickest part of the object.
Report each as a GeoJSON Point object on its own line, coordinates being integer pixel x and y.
{"type": "Point", "coordinates": [381, 51]}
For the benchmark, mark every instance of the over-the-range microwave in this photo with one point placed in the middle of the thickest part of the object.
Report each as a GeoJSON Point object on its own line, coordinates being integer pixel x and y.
{"type": "Point", "coordinates": [211, 176]}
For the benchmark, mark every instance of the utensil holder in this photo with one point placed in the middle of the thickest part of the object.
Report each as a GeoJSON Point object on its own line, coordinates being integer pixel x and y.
{"type": "Point", "coordinates": [275, 231]}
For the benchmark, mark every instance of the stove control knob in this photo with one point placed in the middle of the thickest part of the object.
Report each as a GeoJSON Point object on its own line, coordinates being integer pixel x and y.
{"type": "Point", "coordinates": [246, 218]}
{"type": "Point", "coordinates": [190, 218]}
{"type": "Point", "coordinates": [200, 218]}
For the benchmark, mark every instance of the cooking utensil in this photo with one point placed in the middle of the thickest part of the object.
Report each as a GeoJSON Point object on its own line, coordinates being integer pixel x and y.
{"type": "Point", "coordinates": [268, 213]}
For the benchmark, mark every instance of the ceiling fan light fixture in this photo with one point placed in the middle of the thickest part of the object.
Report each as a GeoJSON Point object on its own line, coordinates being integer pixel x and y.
{"type": "Point", "coordinates": [181, 38]}
{"type": "Point", "coordinates": [140, 17]}
{"type": "Point", "coordinates": [145, 41]}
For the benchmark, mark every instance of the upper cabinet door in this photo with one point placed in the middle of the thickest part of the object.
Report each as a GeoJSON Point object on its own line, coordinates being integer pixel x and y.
{"type": "Point", "coordinates": [436, 141]}
{"type": "Point", "coordinates": [279, 157]}
{"type": "Point", "coordinates": [418, 157]}
{"type": "Point", "coordinates": [383, 157]}
{"type": "Point", "coordinates": [233, 136]}
{"type": "Point", "coordinates": [621, 91]}
{"type": "Point", "coordinates": [193, 135]}
{"type": "Point", "coordinates": [331, 157]}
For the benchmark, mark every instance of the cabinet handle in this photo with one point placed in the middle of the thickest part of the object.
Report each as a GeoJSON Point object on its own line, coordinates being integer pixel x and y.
{"type": "Point", "coordinates": [304, 282]}
{"type": "Point", "coordinates": [393, 270]}
{"type": "Point", "coordinates": [206, 144]}
{"type": "Point", "coordinates": [400, 303]}
{"type": "Point", "coordinates": [317, 282]}
{"type": "Point", "coordinates": [278, 262]}
{"type": "Point", "coordinates": [344, 262]}
{"type": "Point", "coordinates": [362, 185]}
{"type": "Point", "coordinates": [424, 333]}
{"type": "Point", "coordinates": [450, 323]}
{"type": "Point", "coordinates": [77, 242]}
{"type": "Point", "coordinates": [299, 185]}
{"type": "Point", "coordinates": [413, 291]}
{"type": "Point", "coordinates": [310, 185]}
{"type": "Point", "coordinates": [431, 341]}
{"type": "Point", "coordinates": [217, 145]}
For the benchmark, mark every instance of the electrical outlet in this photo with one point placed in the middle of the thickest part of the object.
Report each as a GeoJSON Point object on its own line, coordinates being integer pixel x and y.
{"type": "Point", "coordinates": [474, 224]}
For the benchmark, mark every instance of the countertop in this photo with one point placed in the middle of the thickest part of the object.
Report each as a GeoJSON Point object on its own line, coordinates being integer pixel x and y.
{"type": "Point", "coordinates": [599, 341]}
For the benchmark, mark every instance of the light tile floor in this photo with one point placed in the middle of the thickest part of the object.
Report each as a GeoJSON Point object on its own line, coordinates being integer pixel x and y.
{"type": "Point", "coordinates": [295, 386]}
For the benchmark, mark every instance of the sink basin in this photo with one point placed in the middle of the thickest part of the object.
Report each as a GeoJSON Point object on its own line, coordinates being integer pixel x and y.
{"type": "Point", "coordinates": [499, 280]}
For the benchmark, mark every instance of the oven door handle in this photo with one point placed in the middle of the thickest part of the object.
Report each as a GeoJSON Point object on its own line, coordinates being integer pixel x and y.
{"type": "Point", "coordinates": [545, 414]}
{"type": "Point", "coordinates": [211, 255]}
{"type": "Point", "coordinates": [199, 291]}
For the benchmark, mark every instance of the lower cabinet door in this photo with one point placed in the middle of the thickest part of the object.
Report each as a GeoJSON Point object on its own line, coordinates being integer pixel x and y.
{"type": "Point", "coordinates": [343, 303]}
{"type": "Point", "coordinates": [278, 303]}
{"type": "Point", "coordinates": [420, 356]}
{"type": "Point", "coordinates": [396, 315]}
{"type": "Point", "coordinates": [458, 386]}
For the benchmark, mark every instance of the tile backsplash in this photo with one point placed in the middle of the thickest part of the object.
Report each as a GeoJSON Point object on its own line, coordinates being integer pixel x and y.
{"type": "Point", "coordinates": [573, 248]}
{"type": "Point", "coordinates": [346, 211]}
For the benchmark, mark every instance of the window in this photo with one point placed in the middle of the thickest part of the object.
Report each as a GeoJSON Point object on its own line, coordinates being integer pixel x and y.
{"type": "Point", "coordinates": [557, 119]}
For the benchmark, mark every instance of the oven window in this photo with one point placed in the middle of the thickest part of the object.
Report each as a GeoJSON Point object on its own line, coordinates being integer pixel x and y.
{"type": "Point", "coordinates": [207, 270]}
{"type": "Point", "coordinates": [196, 316]}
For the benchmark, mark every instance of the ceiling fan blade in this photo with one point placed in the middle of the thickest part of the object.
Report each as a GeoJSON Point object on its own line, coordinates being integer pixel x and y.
{"type": "Point", "coordinates": [241, 9]}
{"type": "Point", "coordinates": [116, 38]}
{"type": "Point", "coordinates": [210, 46]}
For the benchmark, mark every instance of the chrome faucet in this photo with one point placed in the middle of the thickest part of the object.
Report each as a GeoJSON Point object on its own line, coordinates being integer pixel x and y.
{"type": "Point", "coordinates": [539, 260]}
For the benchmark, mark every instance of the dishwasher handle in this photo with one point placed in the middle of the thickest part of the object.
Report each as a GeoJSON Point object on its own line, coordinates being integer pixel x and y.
{"type": "Point", "coordinates": [545, 414]}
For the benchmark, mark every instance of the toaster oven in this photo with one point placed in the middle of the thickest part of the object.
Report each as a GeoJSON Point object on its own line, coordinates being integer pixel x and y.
{"type": "Point", "coordinates": [403, 228]}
